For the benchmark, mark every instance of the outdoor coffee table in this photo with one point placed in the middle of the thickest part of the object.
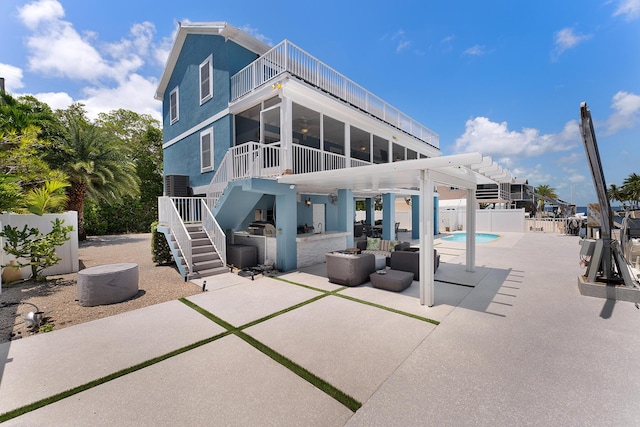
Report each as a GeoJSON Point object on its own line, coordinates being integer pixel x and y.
{"type": "Point", "coordinates": [107, 284]}
{"type": "Point", "coordinates": [391, 280]}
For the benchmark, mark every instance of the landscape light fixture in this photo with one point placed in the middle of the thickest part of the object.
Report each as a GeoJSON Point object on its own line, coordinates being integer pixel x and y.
{"type": "Point", "coordinates": [308, 202]}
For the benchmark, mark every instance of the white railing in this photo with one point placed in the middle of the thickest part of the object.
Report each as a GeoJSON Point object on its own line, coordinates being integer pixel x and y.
{"type": "Point", "coordinates": [169, 214]}
{"type": "Point", "coordinates": [548, 225]}
{"type": "Point", "coordinates": [189, 208]}
{"type": "Point", "coordinates": [287, 57]}
{"type": "Point", "coordinates": [496, 193]}
{"type": "Point", "coordinates": [357, 162]}
{"type": "Point", "coordinates": [248, 160]}
{"type": "Point", "coordinates": [309, 159]}
{"type": "Point", "coordinates": [214, 231]}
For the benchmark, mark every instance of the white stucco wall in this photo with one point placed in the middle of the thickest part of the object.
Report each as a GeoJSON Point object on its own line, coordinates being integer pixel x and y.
{"type": "Point", "coordinates": [68, 251]}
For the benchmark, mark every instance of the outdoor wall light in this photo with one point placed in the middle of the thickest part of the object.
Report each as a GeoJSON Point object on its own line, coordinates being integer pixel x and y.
{"type": "Point", "coordinates": [308, 202]}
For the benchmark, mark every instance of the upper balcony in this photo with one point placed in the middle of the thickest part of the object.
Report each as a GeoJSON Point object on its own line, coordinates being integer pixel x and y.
{"type": "Point", "coordinates": [288, 58]}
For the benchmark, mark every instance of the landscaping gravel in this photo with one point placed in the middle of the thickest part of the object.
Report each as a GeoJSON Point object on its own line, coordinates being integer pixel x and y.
{"type": "Point", "coordinates": [57, 297]}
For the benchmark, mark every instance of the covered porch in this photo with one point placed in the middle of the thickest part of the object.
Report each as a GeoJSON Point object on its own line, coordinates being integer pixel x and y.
{"type": "Point", "coordinates": [465, 171]}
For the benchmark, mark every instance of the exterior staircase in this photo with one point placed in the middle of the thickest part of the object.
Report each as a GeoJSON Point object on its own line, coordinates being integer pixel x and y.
{"type": "Point", "coordinates": [204, 258]}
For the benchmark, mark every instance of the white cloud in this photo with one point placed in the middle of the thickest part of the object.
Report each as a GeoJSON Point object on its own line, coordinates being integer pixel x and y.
{"type": "Point", "coordinates": [401, 40]}
{"type": "Point", "coordinates": [55, 100]}
{"type": "Point", "coordinates": [476, 50]}
{"type": "Point", "coordinates": [55, 48]}
{"type": "Point", "coordinates": [626, 114]}
{"type": "Point", "coordinates": [59, 50]}
{"type": "Point", "coordinates": [135, 94]}
{"type": "Point", "coordinates": [495, 139]}
{"type": "Point", "coordinates": [566, 39]}
{"type": "Point", "coordinates": [629, 8]}
{"type": "Point", "coordinates": [12, 77]}
{"type": "Point", "coordinates": [40, 12]}
{"type": "Point", "coordinates": [257, 34]}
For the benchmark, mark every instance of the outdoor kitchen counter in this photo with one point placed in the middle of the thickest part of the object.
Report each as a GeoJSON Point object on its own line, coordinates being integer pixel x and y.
{"type": "Point", "coordinates": [313, 247]}
{"type": "Point", "coordinates": [306, 237]}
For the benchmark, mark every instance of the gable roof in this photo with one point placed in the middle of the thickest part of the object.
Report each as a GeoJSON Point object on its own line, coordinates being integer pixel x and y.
{"type": "Point", "coordinates": [213, 28]}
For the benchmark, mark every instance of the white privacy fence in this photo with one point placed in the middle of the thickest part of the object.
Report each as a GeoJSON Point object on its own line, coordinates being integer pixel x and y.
{"type": "Point", "coordinates": [68, 251]}
{"type": "Point", "coordinates": [496, 220]}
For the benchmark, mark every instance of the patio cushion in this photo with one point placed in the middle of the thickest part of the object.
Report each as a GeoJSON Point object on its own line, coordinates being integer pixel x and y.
{"type": "Point", "coordinates": [373, 244]}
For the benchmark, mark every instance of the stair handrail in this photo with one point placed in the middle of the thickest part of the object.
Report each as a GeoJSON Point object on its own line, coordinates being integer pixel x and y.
{"type": "Point", "coordinates": [244, 161]}
{"type": "Point", "coordinates": [180, 233]}
{"type": "Point", "coordinates": [214, 232]}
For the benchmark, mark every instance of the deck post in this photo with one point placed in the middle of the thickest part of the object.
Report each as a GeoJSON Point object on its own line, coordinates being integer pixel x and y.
{"type": "Point", "coordinates": [471, 230]}
{"type": "Point", "coordinates": [427, 285]}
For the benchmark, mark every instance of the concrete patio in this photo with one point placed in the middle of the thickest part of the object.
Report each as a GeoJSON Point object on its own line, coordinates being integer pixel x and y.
{"type": "Point", "coordinates": [516, 345]}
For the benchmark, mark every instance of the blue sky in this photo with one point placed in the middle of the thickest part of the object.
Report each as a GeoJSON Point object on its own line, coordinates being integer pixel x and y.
{"type": "Point", "coordinates": [505, 78]}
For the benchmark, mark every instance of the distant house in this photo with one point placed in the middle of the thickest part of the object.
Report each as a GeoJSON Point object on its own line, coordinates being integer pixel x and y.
{"type": "Point", "coordinates": [244, 123]}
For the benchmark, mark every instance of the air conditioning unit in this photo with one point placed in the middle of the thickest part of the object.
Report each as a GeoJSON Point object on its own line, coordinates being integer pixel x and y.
{"type": "Point", "coordinates": [177, 185]}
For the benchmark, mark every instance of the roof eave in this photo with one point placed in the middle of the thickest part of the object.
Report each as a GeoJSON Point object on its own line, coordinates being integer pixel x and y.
{"type": "Point", "coordinates": [223, 29]}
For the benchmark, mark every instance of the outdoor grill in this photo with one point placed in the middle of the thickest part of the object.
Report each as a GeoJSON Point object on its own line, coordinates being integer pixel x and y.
{"type": "Point", "coordinates": [261, 228]}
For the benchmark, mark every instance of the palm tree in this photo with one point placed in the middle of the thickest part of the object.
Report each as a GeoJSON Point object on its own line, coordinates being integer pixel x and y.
{"type": "Point", "coordinates": [616, 193]}
{"type": "Point", "coordinates": [97, 163]}
{"type": "Point", "coordinates": [544, 191]}
{"type": "Point", "coordinates": [631, 188]}
{"type": "Point", "coordinates": [50, 197]}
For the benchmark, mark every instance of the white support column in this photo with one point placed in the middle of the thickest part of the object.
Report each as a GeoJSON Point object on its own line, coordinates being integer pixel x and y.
{"type": "Point", "coordinates": [471, 230]}
{"type": "Point", "coordinates": [286, 132]}
{"type": "Point", "coordinates": [427, 286]}
{"type": "Point", "coordinates": [347, 144]}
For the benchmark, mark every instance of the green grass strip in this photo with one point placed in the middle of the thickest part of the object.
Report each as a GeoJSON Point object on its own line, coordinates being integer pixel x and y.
{"type": "Point", "coordinates": [286, 310]}
{"type": "Point", "coordinates": [303, 373]}
{"type": "Point", "coordinates": [316, 381]}
{"type": "Point", "coordinates": [392, 310]}
{"type": "Point", "coordinates": [75, 390]}
{"type": "Point", "coordinates": [300, 284]}
{"type": "Point", "coordinates": [382, 307]}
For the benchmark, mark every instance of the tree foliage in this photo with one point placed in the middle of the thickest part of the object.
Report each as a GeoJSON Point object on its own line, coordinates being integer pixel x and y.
{"type": "Point", "coordinates": [97, 163]}
{"type": "Point", "coordinates": [54, 160]}
{"type": "Point", "coordinates": [545, 191]}
{"type": "Point", "coordinates": [629, 192]}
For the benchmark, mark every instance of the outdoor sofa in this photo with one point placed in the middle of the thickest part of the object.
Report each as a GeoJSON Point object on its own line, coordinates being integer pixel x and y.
{"type": "Point", "coordinates": [381, 247]}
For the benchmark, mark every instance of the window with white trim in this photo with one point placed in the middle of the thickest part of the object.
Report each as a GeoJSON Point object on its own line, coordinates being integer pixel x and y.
{"type": "Point", "coordinates": [206, 79]}
{"type": "Point", "coordinates": [206, 150]}
{"type": "Point", "coordinates": [174, 106]}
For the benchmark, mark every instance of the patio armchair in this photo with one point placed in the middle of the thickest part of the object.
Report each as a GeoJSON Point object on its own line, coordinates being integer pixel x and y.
{"type": "Point", "coordinates": [349, 269]}
{"type": "Point", "coordinates": [410, 261]}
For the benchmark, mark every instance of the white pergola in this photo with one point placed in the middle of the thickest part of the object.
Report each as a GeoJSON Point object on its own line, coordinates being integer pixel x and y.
{"type": "Point", "coordinates": [460, 170]}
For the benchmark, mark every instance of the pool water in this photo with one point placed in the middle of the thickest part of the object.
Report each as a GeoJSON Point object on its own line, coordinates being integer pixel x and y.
{"type": "Point", "coordinates": [480, 237]}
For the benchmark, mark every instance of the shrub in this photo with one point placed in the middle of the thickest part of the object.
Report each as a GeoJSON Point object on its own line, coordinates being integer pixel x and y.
{"type": "Point", "coordinates": [36, 249]}
{"type": "Point", "coordinates": [160, 251]}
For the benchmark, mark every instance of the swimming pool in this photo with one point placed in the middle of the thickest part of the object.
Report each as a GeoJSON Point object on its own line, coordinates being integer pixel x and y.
{"type": "Point", "coordinates": [480, 237]}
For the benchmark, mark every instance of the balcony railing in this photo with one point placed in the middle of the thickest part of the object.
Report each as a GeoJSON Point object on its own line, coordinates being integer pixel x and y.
{"type": "Point", "coordinates": [496, 193]}
{"type": "Point", "coordinates": [287, 57]}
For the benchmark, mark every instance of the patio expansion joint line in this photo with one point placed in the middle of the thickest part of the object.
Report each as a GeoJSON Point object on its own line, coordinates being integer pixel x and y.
{"type": "Point", "coordinates": [300, 371]}
{"type": "Point", "coordinates": [392, 310]}
{"type": "Point", "coordinates": [110, 377]}
{"type": "Point", "coordinates": [336, 292]}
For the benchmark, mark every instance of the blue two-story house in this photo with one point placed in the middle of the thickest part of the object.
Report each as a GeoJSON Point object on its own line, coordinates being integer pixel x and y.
{"type": "Point", "coordinates": [268, 146]}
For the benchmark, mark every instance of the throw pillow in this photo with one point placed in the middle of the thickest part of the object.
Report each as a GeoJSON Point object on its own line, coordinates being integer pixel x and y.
{"type": "Point", "coordinates": [373, 244]}
{"type": "Point", "coordinates": [392, 247]}
{"type": "Point", "coordinates": [384, 245]}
